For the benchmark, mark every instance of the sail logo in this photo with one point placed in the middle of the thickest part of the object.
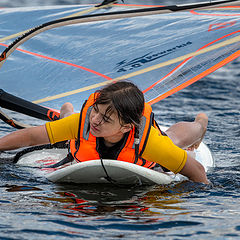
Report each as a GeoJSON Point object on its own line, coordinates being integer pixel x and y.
{"type": "Point", "coordinates": [125, 65]}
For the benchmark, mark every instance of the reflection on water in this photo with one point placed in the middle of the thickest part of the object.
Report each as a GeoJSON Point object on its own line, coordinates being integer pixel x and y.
{"type": "Point", "coordinates": [94, 200]}
{"type": "Point", "coordinates": [15, 188]}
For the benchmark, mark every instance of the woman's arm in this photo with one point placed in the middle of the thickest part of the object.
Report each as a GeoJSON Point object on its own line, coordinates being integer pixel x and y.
{"type": "Point", "coordinates": [162, 150]}
{"type": "Point", "coordinates": [25, 137]}
{"type": "Point", "coordinates": [51, 132]}
{"type": "Point", "coordinates": [194, 170]}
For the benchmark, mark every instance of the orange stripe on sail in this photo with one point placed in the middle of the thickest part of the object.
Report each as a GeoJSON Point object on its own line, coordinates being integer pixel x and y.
{"type": "Point", "coordinates": [61, 61]}
{"type": "Point", "coordinates": [196, 78]}
{"type": "Point", "coordinates": [214, 14]}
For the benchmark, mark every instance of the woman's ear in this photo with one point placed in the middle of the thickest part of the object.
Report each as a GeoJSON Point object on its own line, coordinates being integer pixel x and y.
{"type": "Point", "coordinates": [126, 128]}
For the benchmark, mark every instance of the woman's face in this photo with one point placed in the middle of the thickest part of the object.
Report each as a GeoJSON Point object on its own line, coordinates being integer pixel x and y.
{"type": "Point", "coordinates": [105, 125]}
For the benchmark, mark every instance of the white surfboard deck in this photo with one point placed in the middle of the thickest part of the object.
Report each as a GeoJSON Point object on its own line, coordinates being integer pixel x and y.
{"type": "Point", "coordinates": [93, 172]}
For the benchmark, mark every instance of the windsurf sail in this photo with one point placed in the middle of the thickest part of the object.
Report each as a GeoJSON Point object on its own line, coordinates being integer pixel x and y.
{"type": "Point", "coordinates": [161, 49]}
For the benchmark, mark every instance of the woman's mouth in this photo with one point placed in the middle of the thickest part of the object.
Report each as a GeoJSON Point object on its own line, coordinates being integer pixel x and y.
{"type": "Point", "coordinates": [93, 128]}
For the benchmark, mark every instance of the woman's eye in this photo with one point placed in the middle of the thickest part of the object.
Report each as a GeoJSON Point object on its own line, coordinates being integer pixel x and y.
{"type": "Point", "coordinates": [105, 119]}
{"type": "Point", "coordinates": [95, 108]}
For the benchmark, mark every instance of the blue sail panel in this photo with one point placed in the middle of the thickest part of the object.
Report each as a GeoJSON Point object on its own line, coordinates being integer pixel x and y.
{"type": "Point", "coordinates": [161, 53]}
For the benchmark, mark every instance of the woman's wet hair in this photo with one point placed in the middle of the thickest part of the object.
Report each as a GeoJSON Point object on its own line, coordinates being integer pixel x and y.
{"type": "Point", "coordinates": [125, 98]}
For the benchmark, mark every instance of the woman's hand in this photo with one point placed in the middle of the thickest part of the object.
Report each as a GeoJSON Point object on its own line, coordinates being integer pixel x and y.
{"type": "Point", "coordinates": [194, 170]}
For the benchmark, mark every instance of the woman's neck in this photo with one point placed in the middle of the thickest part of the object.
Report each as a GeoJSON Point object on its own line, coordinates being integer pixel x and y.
{"type": "Point", "coordinates": [111, 141]}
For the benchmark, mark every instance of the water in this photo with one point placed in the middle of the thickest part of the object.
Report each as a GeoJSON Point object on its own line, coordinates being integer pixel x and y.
{"type": "Point", "coordinates": [33, 208]}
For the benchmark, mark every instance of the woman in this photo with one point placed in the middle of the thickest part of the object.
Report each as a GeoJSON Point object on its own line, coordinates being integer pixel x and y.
{"type": "Point", "coordinates": [115, 123]}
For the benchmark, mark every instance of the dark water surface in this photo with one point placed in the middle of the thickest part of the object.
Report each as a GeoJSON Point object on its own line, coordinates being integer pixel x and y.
{"type": "Point", "coordinates": [33, 208]}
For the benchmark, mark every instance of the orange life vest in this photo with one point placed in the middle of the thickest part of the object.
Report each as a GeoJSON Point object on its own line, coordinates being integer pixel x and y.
{"type": "Point", "coordinates": [85, 147]}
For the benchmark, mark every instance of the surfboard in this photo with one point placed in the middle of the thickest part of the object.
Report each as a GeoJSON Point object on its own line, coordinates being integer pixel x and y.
{"type": "Point", "coordinates": [106, 170]}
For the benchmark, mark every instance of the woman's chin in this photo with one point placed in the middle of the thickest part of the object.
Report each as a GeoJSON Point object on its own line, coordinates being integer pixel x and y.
{"type": "Point", "coordinates": [94, 133]}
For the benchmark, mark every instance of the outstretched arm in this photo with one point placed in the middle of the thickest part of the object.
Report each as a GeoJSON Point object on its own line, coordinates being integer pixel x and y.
{"type": "Point", "coordinates": [35, 135]}
{"type": "Point", "coordinates": [194, 170]}
{"type": "Point", "coordinates": [25, 137]}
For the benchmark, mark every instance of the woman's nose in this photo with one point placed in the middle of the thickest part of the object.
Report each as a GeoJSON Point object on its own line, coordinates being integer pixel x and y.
{"type": "Point", "coordinates": [96, 119]}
